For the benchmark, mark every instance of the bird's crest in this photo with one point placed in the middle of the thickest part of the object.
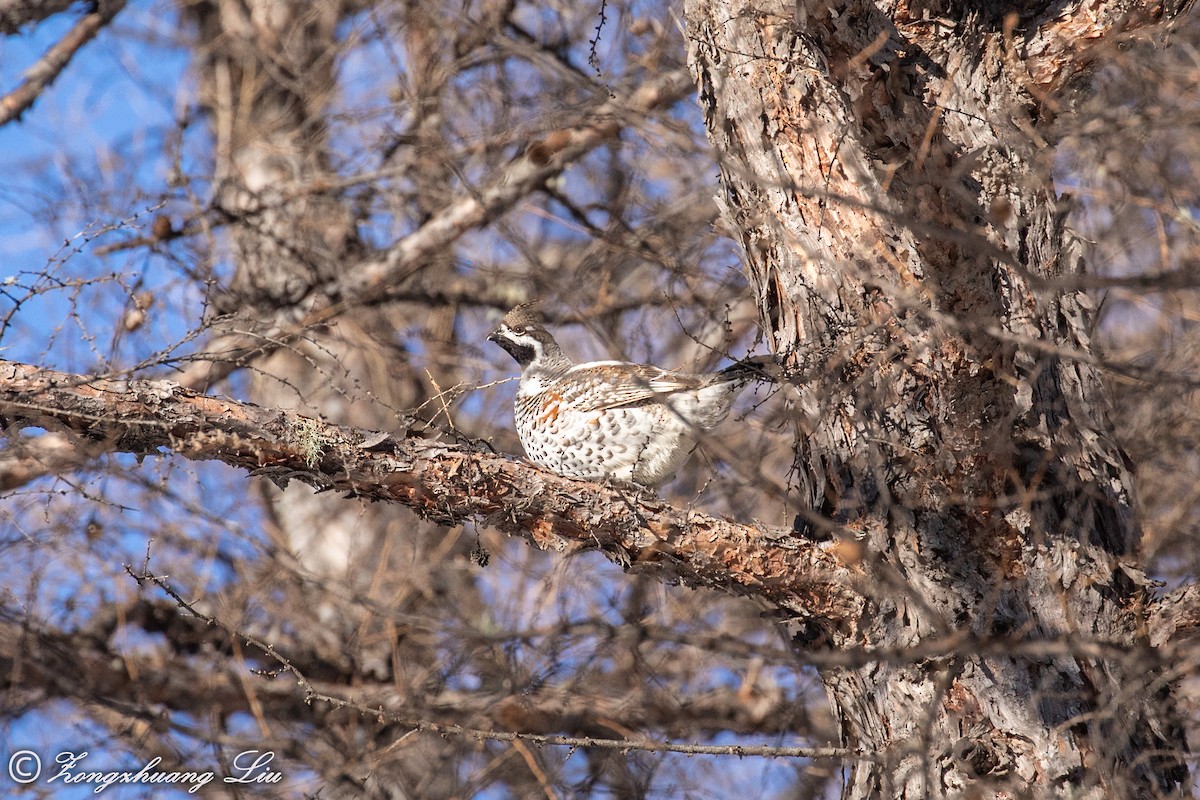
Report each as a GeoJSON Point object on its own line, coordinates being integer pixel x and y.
{"type": "Point", "coordinates": [523, 316]}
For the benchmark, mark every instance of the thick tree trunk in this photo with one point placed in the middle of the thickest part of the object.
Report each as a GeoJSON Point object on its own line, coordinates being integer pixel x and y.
{"type": "Point", "coordinates": [886, 177]}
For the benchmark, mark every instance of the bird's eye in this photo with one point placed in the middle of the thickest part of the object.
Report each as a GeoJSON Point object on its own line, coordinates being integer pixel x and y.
{"type": "Point", "coordinates": [519, 330]}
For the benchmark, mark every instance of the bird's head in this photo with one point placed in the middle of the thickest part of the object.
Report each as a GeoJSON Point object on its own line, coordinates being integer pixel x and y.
{"type": "Point", "coordinates": [523, 337]}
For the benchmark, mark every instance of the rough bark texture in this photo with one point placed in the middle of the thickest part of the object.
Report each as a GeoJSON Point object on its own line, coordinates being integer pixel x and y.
{"type": "Point", "coordinates": [883, 171]}
{"type": "Point", "coordinates": [447, 483]}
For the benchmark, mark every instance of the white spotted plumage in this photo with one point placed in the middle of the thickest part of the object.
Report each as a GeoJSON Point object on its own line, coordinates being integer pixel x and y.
{"type": "Point", "coordinates": [615, 420]}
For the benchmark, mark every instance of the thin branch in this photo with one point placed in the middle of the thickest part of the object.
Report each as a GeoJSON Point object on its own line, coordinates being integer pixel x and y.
{"type": "Point", "coordinates": [428, 726]}
{"type": "Point", "coordinates": [370, 282]}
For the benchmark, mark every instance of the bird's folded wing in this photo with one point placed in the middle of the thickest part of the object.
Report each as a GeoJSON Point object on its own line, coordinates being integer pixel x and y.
{"type": "Point", "coordinates": [612, 384]}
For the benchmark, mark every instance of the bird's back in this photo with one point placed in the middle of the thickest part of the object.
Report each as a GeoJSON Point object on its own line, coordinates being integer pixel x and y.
{"type": "Point", "coordinates": [631, 423]}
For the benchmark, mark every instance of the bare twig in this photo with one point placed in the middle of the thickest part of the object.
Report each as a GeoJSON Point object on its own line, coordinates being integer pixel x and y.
{"type": "Point", "coordinates": [372, 281]}
{"type": "Point", "coordinates": [311, 694]}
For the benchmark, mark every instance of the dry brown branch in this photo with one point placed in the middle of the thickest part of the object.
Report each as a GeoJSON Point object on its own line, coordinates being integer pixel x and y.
{"type": "Point", "coordinates": [964, 228]}
{"type": "Point", "coordinates": [30, 458]}
{"type": "Point", "coordinates": [83, 664]}
{"type": "Point", "coordinates": [446, 483]}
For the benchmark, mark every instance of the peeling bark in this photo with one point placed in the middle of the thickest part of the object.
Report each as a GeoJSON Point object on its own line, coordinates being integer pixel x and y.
{"type": "Point", "coordinates": [447, 483]}
{"type": "Point", "coordinates": [884, 173]}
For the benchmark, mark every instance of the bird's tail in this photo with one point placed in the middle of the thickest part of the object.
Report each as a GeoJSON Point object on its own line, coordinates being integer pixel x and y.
{"type": "Point", "coordinates": [753, 368]}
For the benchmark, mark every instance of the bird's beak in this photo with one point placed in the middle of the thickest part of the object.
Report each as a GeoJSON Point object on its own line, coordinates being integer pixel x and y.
{"type": "Point", "coordinates": [494, 336]}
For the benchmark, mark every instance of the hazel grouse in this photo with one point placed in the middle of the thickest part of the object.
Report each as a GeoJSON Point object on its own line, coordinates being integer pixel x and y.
{"type": "Point", "coordinates": [629, 423]}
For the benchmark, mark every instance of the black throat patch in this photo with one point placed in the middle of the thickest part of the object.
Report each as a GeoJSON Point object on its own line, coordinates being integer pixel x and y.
{"type": "Point", "coordinates": [522, 353]}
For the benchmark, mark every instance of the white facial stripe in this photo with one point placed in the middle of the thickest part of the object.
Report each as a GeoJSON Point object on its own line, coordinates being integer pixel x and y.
{"type": "Point", "coordinates": [526, 340]}
{"type": "Point", "coordinates": [592, 364]}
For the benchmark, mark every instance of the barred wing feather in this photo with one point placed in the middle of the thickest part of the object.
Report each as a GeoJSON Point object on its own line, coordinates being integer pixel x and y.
{"type": "Point", "coordinates": [613, 384]}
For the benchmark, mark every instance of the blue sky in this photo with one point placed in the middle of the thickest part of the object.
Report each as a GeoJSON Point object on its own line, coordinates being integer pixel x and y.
{"type": "Point", "coordinates": [96, 132]}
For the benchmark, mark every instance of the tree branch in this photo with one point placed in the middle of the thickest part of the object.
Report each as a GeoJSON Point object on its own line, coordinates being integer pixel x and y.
{"type": "Point", "coordinates": [48, 67]}
{"type": "Point", "coordinates": [375, 281]}
{"type": "Point", "coordinates": [16, 13]}
{"type": "Point", "coordinates": [446, 483]}
{"type": "Point", "coordinates": [83, 665]}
